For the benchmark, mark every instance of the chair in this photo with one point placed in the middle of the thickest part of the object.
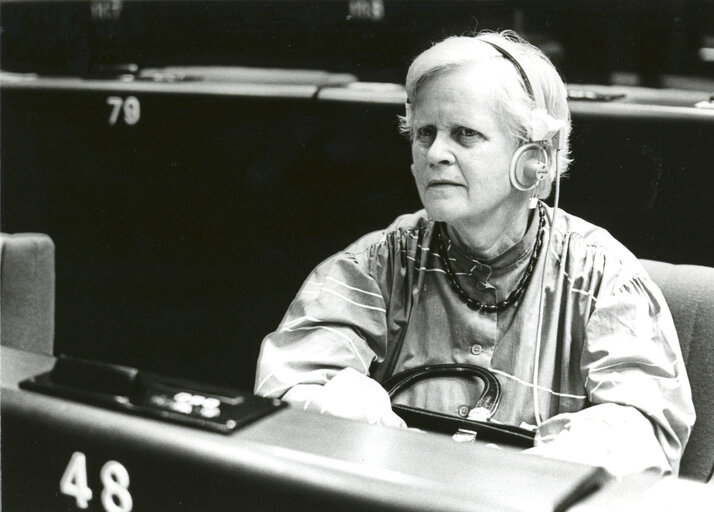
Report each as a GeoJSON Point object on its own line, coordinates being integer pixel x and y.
{"type": "Point", "coordinates": [27, 292]}
{"type": "Point", "coordinates": [689, 292]}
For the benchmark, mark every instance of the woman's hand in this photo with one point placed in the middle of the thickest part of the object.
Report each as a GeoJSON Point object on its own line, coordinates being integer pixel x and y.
{"type": "Point", "coordinates": [615, 437]}
{"type": "Point", "coordinates": [349, 394]}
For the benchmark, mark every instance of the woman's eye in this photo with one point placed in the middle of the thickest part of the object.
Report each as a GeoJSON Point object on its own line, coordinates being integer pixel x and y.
{"type": "Point", "coordinates": [466, 133]}
{"type": "Point", "coordinates": [425, 133]}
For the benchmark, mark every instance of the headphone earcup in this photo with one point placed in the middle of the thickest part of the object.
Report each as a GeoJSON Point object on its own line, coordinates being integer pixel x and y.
{"type": "Point", "coordinates": [529, 166]}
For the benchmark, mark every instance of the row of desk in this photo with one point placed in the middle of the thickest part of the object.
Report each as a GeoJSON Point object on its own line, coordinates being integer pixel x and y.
{"type": "Point", "coordinates": [59, 454]}
{"type": "Point", "coordinates": [211, 192]}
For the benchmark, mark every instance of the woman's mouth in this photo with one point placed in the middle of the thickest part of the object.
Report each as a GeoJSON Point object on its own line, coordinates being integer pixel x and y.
{"type": "Point", "coordinates": [443, 183]}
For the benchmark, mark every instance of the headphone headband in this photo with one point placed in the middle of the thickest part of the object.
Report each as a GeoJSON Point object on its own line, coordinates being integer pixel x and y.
{"type": "Point", "coordinates": [517, 65]}
{"type": "Point", "coordinates": [543, 126]}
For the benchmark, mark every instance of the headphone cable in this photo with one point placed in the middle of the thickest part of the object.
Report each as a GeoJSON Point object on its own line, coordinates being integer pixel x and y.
{"type": "Point", "coordinates": [539, 325]}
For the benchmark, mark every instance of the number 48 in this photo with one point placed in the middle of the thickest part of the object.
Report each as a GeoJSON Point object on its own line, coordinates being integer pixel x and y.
{"type": "Point", "coordinates": [115, 482]}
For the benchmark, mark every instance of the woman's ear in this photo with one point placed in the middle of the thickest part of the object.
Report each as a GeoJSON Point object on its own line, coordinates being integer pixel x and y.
{"type": "Point", "coordinates": [412, 169]}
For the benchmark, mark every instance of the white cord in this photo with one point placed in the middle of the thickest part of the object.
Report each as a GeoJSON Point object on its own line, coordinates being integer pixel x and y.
{"type": "Point", "coordinates": [539, 325]}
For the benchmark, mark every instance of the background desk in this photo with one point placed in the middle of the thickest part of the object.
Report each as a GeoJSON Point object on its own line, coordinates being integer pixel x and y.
{"type": "Point", "coordinates": [182, 238]}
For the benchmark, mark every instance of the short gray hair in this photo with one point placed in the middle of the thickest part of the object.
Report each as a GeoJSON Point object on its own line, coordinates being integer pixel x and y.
{"type": "Point", "coordinates": [511, 103]}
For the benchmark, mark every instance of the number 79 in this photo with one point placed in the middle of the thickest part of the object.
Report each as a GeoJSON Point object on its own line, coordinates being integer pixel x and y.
{"type": "Point", "coordinates": [129, 106]}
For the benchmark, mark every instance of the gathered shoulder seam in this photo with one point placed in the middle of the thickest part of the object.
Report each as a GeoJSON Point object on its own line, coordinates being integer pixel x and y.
{"type": "Point", "coordinates": [413, 232]}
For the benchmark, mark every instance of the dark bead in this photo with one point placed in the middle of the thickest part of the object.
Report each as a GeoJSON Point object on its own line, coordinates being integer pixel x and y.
{"type": "Point", "coordinates": [522, 284]}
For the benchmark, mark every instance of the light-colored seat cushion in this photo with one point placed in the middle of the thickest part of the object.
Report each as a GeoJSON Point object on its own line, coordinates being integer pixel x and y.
{"type": "Point", "coordinates": [689, 291]}
{"type": "Point", "coordinates": [27, 292]}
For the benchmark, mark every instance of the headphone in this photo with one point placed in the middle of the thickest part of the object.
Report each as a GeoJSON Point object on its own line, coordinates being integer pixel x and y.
{"type": "Point", "coordinates": [527, 172]}
{"type": "Point", "coordinates": [533, 162]}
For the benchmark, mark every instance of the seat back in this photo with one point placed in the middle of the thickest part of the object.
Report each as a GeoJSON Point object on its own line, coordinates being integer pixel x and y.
{"type": "Point", "coordinates": [689, 292]}
{"type": "Point", "coordinates": [27, 292]}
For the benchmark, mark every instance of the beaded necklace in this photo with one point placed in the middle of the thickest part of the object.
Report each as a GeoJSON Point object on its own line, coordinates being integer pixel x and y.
{"type": "Point", "coordinates": [522, 284]}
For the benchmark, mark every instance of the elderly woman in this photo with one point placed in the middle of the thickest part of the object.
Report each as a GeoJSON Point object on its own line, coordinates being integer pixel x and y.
{"type": "Point", "coordinates": [577, 334]}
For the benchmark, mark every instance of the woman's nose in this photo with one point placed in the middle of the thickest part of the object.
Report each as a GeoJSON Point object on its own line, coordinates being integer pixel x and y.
{"type": "Point", "coordinates": [439, 152]}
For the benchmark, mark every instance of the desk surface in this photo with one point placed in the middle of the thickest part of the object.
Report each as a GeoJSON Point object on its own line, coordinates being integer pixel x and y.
{"type": "Point", "coordinates": [649, 493]}
{"type": "Point", "coordinates": [290, 458]}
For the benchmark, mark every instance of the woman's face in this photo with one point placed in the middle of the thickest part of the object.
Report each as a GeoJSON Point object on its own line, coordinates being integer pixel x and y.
{"type": "Point", "coordinates": [462, 152]}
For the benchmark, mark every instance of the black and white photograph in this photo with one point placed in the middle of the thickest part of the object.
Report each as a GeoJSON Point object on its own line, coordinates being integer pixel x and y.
{"type": "Point", "coordinates": [357, 255]}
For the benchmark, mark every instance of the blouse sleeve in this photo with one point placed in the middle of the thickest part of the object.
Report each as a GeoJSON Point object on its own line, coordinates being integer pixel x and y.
{"type": "Point", "coordinates": [641, 410]}
{"type": "Point", "coordinates": [337, 321]}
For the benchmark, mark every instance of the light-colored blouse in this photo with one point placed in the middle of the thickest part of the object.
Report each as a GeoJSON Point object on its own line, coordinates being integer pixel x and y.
{"type": "Point", "coordinates": [611, 385]}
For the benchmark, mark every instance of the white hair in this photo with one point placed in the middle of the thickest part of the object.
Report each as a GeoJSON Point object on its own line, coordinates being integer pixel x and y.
{"type": "Point", "coordinates": [511, 101]}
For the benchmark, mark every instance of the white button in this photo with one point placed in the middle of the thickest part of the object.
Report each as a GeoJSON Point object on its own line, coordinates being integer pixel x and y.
{"type": "Point", "coordinates": [182, 407]}
{"type": "Point", "coordinates": [211, 403]}
{"type": "Point", "coordinates": [463, 410]}
{"type": "Point", "coordinates": [210, 412]}
{"type": "Point", "coordinates": [182, 396]}
{"type": "Point", "coordinates": [476, 349]}
{"type": "Point", "coordinates": [197, 399]}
